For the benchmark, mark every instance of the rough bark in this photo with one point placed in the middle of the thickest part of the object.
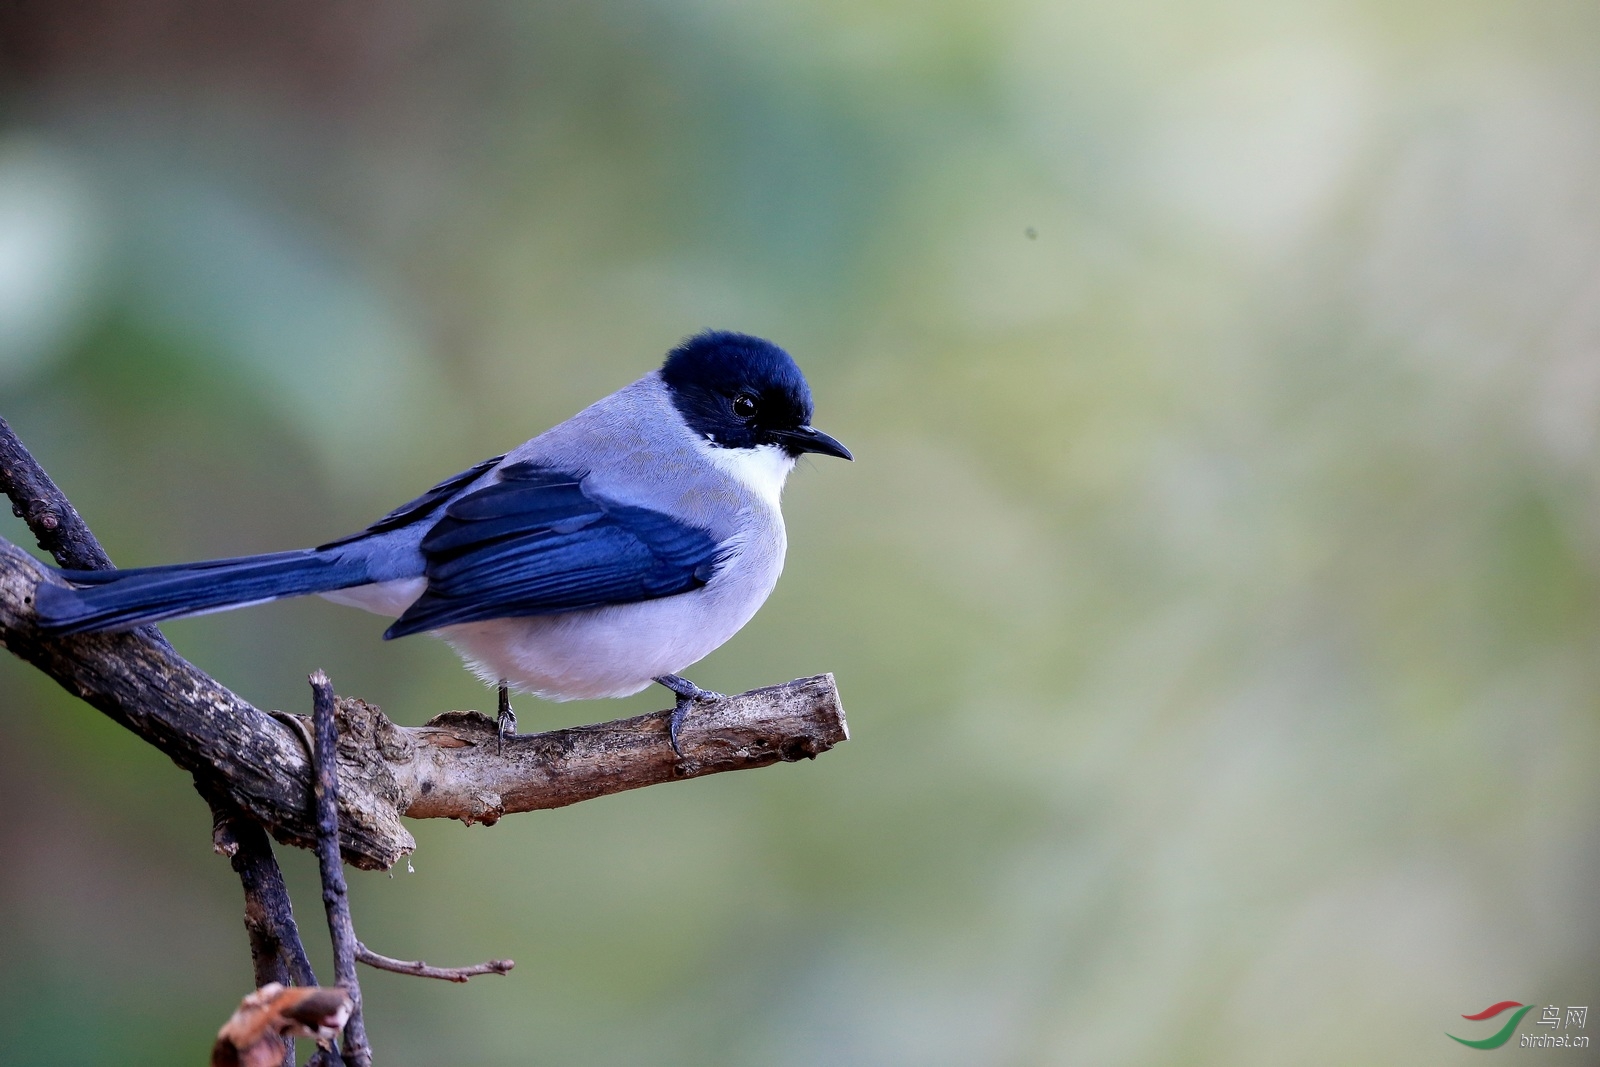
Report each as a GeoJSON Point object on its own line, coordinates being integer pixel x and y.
{"type": "Point", "coordinates": [276, 952]}
{"type": "Point", "coordinates": [453, 767]}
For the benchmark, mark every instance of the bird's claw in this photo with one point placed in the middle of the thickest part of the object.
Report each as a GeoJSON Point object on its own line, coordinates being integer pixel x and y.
{"type": "Point", "coordinates": [680, 712]}
{"type": "Point", "coordinates": [506, 721]}
{"type": "Point", "coordinates": [686, 693]}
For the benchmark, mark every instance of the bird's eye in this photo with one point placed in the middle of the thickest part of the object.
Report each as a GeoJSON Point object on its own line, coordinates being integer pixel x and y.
{"type": "Point", "coordinates": [744, 405]}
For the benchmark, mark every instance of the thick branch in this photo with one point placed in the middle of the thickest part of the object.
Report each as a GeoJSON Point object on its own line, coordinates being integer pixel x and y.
{"type": "Point", "coordinates": [140, 681]}
{"type": "Point", "coordinates": [51, 518]}
{"type": "Point", "coordinates": [451, 768]}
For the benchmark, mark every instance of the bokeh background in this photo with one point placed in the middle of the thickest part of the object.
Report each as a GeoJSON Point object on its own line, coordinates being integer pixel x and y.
{"type": "Point", "coordinates": [1215, 598]}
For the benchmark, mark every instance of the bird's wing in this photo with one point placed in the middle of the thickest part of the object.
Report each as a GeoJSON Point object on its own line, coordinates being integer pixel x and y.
{"type": "Point", "coordinates": [419, 508]}
{"type": "Point", "coordinates": [535, 543]}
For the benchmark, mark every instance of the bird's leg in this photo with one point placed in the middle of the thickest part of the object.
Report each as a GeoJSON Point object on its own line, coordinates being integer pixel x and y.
{"type": "Point", "coordinates": [507, 720]}
{"type": "Point", "coordinates": [687, 693]}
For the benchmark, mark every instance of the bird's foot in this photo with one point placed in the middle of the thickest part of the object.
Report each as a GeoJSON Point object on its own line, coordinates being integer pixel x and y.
{"type": "Point", "coordinates": [507, 719]}
{"type": "Point", "coordinates": [687, 693]}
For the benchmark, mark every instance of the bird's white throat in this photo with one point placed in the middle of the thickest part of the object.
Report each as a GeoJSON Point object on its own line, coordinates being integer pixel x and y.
{"type": "Point", "coordinates": [761, 469]}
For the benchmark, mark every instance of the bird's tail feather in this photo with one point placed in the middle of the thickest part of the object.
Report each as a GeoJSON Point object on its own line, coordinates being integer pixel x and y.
{"type": "Point", "coordinates": [120, 600]}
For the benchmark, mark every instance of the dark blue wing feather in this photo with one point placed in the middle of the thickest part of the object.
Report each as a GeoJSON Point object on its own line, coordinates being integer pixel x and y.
{"type": "Point", "coordinates": [536, 543]}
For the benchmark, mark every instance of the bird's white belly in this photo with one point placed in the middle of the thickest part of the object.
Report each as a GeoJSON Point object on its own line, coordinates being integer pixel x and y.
{"type": "Point", "coordinates": [617, 651]}
{"type": "Point", "coordinates": [601, 652]}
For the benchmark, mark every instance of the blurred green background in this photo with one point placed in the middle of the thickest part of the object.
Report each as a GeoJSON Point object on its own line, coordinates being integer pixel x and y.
{"type": "Point", "coordinates": [1214, 598]}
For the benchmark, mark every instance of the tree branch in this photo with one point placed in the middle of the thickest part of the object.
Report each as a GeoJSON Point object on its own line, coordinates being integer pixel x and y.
{"type": "Point", "coordinates": [445, 769]}
{"type": "Point", "coordinates": [418, 969]}
{"type": "Point", "coordinates": [448, 768]}
{"type": "Point", "coordinates": [276, 952]}
{"type": "Point", "coordinates": [453, 768]}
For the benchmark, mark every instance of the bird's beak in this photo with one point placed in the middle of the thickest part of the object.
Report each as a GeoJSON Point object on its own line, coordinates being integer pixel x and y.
{"type": "Point", "coordinates": [811, 439]}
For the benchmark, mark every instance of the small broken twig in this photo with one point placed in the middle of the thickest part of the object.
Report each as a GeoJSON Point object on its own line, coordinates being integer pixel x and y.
{"type": "Point", "coordinates": [418, 969]}
{"type": "Point", "coordinates": [335, 895]}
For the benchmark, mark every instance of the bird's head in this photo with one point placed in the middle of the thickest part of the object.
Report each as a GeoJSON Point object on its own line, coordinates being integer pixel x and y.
{"type": "Point", "coordinates": [738, 391]}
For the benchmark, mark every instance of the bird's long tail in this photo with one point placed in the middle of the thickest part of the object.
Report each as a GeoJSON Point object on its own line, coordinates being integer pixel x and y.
{"type": "Point", "coordinates": [119, 600]}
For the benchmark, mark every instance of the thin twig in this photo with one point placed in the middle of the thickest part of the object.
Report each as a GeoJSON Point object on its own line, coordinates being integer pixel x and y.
{"type": "Point", "coordinates": [335, 895]}
{"type": "Point", "coordinates": [418, 969]}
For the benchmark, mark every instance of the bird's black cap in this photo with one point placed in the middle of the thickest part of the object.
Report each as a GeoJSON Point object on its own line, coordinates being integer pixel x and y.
{"type": "Point", "coordinates": [739, 391]}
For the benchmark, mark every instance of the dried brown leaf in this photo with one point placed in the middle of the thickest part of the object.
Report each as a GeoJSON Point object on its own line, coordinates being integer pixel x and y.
{"type": "Point", "coordinates": [252, 1037]}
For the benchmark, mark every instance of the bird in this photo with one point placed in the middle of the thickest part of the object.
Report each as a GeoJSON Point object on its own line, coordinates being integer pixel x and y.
{"type": "Point", "coordinates": [613, 550]}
